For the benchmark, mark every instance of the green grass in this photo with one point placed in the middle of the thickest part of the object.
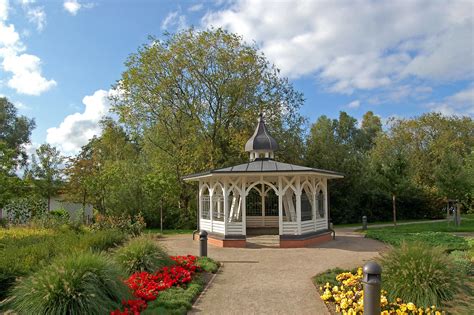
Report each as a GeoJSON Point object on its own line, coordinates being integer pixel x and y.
{"type": "Point", "coordinates": [465, 219]}
{"type": "Point", "coordinates": [168, 232]}
{"type": "Point", "coordinates": [448, 241]}
{"type": "Point", "coordinates": [176, 300]}
{"type": "Point", "coordinates": [376, 223]}
{"type": "Point", "coordinates": [434, 234]}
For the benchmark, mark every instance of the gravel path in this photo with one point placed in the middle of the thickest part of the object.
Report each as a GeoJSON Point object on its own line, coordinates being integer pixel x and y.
{"type": "Point", "coordinates": [273, 280]}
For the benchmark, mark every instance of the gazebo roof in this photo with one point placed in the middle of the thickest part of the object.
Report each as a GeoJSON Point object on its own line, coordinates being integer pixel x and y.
{"type": "Point", "coordinates": [265, 166]}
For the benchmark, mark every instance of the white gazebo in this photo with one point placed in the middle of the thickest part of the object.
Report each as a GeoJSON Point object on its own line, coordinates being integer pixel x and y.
{"type": "Point", "coordinates": [264, 196]}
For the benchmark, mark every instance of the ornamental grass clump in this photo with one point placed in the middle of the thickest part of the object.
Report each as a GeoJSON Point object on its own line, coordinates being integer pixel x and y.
{"type": "Point", "coordinates": [98, 241]}
{"type": "Point", "coordinates": [142, 254]}
{"type": "Point", "coordinates": [419, 273]}
{"type": "Point", "coordinates": [86, 283]}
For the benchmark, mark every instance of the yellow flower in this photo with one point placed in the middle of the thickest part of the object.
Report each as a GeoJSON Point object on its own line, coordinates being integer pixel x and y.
{"type": "Point", "coordinates": [335, 289]}
{"type": "Point", "coordinates": [359, 271]}
{"type": "Point", "coordinates": [411, 306]}
{"type": "Point", "coordinates": [344, 304]}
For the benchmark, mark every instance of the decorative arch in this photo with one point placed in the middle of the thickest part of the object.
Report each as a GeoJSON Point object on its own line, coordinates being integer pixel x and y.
{"type": "Point", "coordinates": [204, 186]}
{"type": "Point", "coordinates": [261, 182]}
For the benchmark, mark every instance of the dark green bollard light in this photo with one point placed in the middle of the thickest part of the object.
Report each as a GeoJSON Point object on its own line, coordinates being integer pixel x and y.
{"type": "Point", "coordinates": [203, 244]}
{"type": "Point", "coordinates": [372, 282]}
{"type": "Point", "coordinates": [364, 222]}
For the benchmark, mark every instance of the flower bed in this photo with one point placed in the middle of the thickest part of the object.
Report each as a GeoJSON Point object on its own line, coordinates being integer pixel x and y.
{"type": "Point", "coordinates": [347, 297]}
{"type": "Point", "coordinates": [146, 287]}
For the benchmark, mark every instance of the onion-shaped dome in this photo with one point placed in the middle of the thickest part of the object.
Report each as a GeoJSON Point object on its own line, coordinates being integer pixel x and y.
{"type": "Point", "coordinates": [261, 141]}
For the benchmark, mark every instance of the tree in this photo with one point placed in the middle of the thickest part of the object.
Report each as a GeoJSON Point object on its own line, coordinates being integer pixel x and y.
{"type": "Point", "coordinates": [15, 132]}
{"type": "Point", "coordinates": [47, 171]}
{"type": "Point", "coordinates": [389, 163]}
{"type": "Point", "coordinates": [452, 176]}
{"type": "Point", "coordinates": [336, 144]}
{"type": "Point", "coordinates": [192, 101]}
{"type": "Point", "coordinates": [371, 127]}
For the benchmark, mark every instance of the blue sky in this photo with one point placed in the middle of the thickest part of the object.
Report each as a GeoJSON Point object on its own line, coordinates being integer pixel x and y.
{"type": "Point", "coordinates": [59, 59]}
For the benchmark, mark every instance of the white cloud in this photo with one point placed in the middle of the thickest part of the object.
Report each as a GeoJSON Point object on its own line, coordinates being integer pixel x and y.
{"type": "Point", "coordinates": [358, 45]}
{"type": "Point", "coordinates": [77, 129]}
{"type": "Point", "coordinates": [353, 104]}
{"type": "Point", "coordinates": [3, 10]}
{"type": "Point", "coordinates": [174, 19]}
{"type": "Point", "coordinates": [196, 7]}
{"type": "Point", "coordinates": [37, 16]}
{"type": "Point", "coordinates": [460, 103]}
{"type": "Point", "coordinates": [27, 78]}
{"type": "Point", "coordinates": [72, 6]}
{"type": "Point", "coordinates": [26, 75]}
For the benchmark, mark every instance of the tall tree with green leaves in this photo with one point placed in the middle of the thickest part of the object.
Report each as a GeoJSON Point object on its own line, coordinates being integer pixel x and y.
{"type": "Point", "coordinates": [15, 132]}
{"type": "Point", "coordinates": [390, 168]}
{"type": "Point", "coordinates": [193, 100]}
{"type": "Point", "coordinates": [47, 171]}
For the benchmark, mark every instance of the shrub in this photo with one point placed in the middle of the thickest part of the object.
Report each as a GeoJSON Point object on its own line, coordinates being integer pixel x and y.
{"type": "Point", "coordinates": [142, 254]}
{"type": "Point", "coordinates": [176, 300]}
{"type": "Point", "coordinates": [62, 213]}
{"type": "Point", "coordinates": [207, 264]}
{"type": "Point", "coordinates": [419, 273]}
{"type": "Point", "coordinates": [462, 262]}
{"type": "Point", "coordinates": [48, 221]}
{"type": "Point", "coordinates": [80, 284]}
{"type": "Point", "coordinates": [20, 210]}
{"type": "Point", "coordinates": [24, 250]}
{"type": "Point", "coordinates": [133, 226]}
{"type": "Point", "coordinates": [3, 223]}
{"type": "Point", "coordinates": [97, 241]}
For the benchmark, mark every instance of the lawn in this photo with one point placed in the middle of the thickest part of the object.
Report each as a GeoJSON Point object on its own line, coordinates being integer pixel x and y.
{"type": "Point", "coordinates": [377, 222]}
{"type": "Point", "coordinates": [434, 233]}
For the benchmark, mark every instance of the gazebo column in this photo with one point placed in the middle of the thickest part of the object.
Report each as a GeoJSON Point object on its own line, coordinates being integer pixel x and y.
{"type": "Point", "coordinates": [314, 205]}
{"type": "Point", "coordinates": [226, 205]}
{"type": "Point", "coordinates": [326, 198]}
{"type": "Point", "coordinates": [298, 204]}
{"type": "Point", "coordinates": [244, 206]}
{"type": "Point", "coordinates": [263, 204]}
{"type": "Point", "coordinates": [200, 205]}
{"type": "Point", "coordinates": [211, 206]}
{"type": "Point", "coordinates": [280, 206]}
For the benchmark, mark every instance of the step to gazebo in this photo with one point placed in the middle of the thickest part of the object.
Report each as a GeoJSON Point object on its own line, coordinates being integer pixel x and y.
{"type": "Point", "coordinates": [262, 241]}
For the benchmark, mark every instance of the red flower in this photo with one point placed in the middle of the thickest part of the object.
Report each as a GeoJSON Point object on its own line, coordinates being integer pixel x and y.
{"type": "Point", "coordinates": [146, 287]}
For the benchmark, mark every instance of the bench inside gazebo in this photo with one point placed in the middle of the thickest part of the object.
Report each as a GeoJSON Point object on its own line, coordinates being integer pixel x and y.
{"type": "Point", "coordinates": [264, 196]}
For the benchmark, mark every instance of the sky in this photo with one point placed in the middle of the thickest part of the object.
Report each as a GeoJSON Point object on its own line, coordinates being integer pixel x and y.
{"type": "Point", "coordinates": [59, 59]}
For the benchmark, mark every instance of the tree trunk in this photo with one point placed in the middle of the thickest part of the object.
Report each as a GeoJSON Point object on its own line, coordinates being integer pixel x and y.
{"type": "Point", "coordinates": [394, 210]}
